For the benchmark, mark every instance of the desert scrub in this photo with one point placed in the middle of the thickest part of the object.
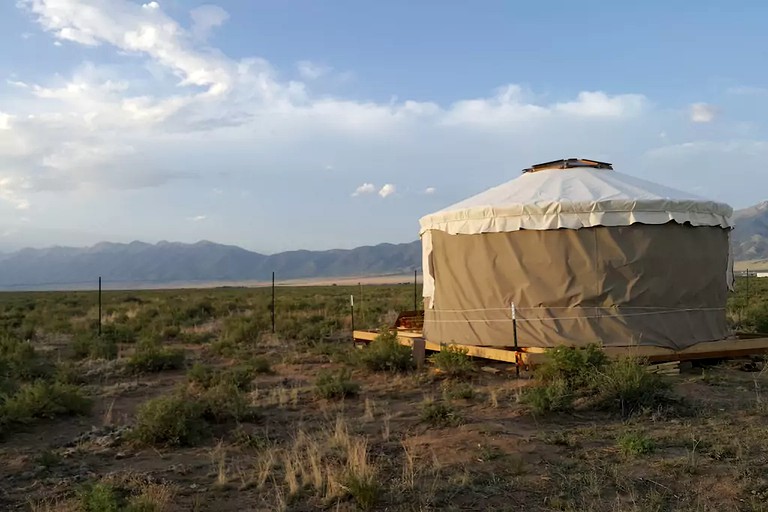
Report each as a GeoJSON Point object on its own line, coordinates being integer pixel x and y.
{"type": "Point", "coordinates": [336, 385]}
{"type": "Point", "coordinates": [94, 348]}
{"type": "Point", "coordinates": [551, 396]}
{"type": "Point", "coordinates": [453, 361]}
{"type": "Point", "coordinates": [99, 497]}
{"type": "Point", "coordinates": [386, 354]}
{"type": "Point", "coordinates": [42, 400]}
{"type": "Point", "coordinates": [226, 402]}
{"type": "Point", "coordinates": [240, 376]}
{"type": "Point", "coordinates": [635, 443]}
{"type": "Point", "coordinates": [438, 413]}
{"type": "Point", "coordinates": [172, 420]}
{"type": "Point", "coordinates": [19, 361]}
{"type": "Point", "coordinates": [578, 367]}
{"type": "Point", "coordinates": [626, 385]}
{"type": "Point", "coordinates": [458, 390]}
{"type": "Point", "coordinates": [569, 374]}
{"type": "Point", "coordinates": [150, 356]}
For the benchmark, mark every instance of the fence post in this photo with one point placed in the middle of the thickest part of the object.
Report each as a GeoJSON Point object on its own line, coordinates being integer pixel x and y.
{"type": "Point", "coordinates": [273, 303]}
{"type": "Point", "coordinates": [514, 335]}
{"type": "Point", "coordinates": [415, 292]}
{"type": "Point", "coordinates": [99, 306]}
{"type": "Point", "coordinates": [352, 312]}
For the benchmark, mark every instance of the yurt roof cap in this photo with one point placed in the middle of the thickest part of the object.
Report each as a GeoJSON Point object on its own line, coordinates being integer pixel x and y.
{"type": "Point", "coordinates": [575, 193]}
{"type": "Point", "coordinates": [569, 163]}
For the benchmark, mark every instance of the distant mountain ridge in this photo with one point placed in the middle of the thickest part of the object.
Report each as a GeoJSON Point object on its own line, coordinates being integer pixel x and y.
{"type": "Point", "coordinates": [204, 261]}
{"type": "Point", "coordinates": [750, 237]}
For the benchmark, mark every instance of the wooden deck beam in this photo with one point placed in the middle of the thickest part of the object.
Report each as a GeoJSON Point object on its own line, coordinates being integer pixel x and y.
{"type": "Point", "coordinates": [721, 349]}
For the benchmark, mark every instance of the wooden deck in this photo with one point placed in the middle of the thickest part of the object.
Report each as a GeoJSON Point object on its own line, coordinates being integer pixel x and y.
{"type": "Point", "coordinates": [740, 346]}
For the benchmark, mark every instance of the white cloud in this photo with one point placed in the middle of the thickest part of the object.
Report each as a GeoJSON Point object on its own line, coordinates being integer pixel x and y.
{"type": "Point", "coordinates": [387, 190]}
{"type": "Point", "coordinates": [365, 188]}
{"type": "Point", "coordinates": [198, 218]}
{"type": "Point", "coordinates": [169, 107]}
{"type": "Point", "coordinates": [311, 70]}
{"type": "Point", "coordinates": [599, 104]}
{"type": "Point", "coordinates": [747, 90]}
{"type": "Point", "coordinates": [9, 194]}
{"type": "Point", "coordinates": [205, 18]}
{"type": "Point", "coordinates": [5, 121]}
{"type": "Point", "coordinates": [702, 113]}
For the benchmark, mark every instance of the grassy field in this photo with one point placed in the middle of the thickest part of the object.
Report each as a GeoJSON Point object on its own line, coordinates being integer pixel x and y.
{"type": "Point", "coordinates": [188, 402]}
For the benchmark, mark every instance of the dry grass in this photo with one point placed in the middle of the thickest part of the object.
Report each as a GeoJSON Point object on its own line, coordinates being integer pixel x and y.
{"type": "Point", "coordinates": [476, 448]}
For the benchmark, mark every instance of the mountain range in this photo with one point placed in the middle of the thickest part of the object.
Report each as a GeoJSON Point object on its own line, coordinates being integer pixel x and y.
{"type": "Point", "coordinates": [139, 263]}
{"type": "Point", "coordinates": [173, 262]}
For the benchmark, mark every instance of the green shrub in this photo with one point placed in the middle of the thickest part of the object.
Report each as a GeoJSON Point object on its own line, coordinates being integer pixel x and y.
{"type": "Point", "coordinates": [202, 375]}
{"type": "Point", "coordinates": [363, 488]}
{"type": "Point", "coordinates": [439, 414]}
{"type": "Point", "coordinates": [172, 420]}
{"type": "Point", "coordinates": [225, 402]}
{"type": "Point", "coordinates": [43, 400]}
{"type": "Point", "coordinates": [259, 365]}
{"type": "Point", "coordinates": [336, 385]}
{"type": "Point", "coordinates": [551, 396]}
{"type": "Point", "coordinates": [634, 444]}
{"type": "Point", "coordinates": [453, 361]}
{"type": "Point", "coordinates": [576, 366]}
{"type": "Point", "coordinates": [239, 376]}
{"type": "Point", "coordinates": [118, 333]}
{"type": "Point", "coordinates": [386, 354]}
{"type": "Point", "coordinates": [152, 357]}
{"type": "Point", "coordinates": [627, 385]}
{"type": "Point", "coordinates": [20, 361]}
{"type": "Point", "coordinates": [462, 390]}
{"type": "Point", "coordinates": [94, 348]}
{"type": "Point", "coordinates": [99, 497]}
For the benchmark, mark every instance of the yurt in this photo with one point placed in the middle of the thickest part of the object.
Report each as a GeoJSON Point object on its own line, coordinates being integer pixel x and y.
{"type": "Point", "coordinates": [576, 253]}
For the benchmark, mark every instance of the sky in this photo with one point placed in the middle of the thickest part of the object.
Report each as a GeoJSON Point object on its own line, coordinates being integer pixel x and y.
{"type": "Point", "coordinates": [279, 125]}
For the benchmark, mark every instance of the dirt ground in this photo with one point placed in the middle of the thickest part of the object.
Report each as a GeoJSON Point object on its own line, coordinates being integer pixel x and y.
{"type": "Point", "coordinates": [493, 454]}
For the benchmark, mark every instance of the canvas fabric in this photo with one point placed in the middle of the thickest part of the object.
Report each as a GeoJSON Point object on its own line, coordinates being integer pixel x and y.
{"type": "Point", "coordinates": [644, 284]}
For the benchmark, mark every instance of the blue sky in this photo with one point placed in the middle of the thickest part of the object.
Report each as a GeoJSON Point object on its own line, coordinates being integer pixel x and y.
{"type": "Point", "coordinates": [281, 125]}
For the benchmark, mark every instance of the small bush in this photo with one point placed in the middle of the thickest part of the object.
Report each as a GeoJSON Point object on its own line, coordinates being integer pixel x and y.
{"type": "Point", "coordinates": [151, 357]}
{"type": "Point", "coordinates": [20, 361]}
{"type": "Point", "coordinates": [439, 414]}
{"type": "Point", "coordinates": [453, 361]}
{"type": "Point", "coordinates": [118, 333]}
{"type": "Point", "coordinates": [552, 396]}
{"type": "Point", "coordinates": [239, 376]}
{"type": "Point", "coordinates": [628, 385]}
{"type": "Point", "coordinates": [99, 497]}
{"type": "Point", "coordinates": [201, 375]}
{"type": "Point", "coordinates": [94, 348]}
{"type": "Point", "coordinates": [364, 489]}
{"type": "Point", "coordinates": [634, 444]}
{"type": "Point", "coordinates": [226, 402]}
{"type": "Point", "coordinates": [260, 365]}
{"type": "Point", "coordinates": [336, 385]}
{"type": "Point", "coordinates": [462, 390]}
{"type": "Point", "coordinates": [43, 400]}
{"type": "Point", "coordinates": [576, 366]}
{"type": "Point", "coordinates": [386, 354]}
{"type": "Point", "coordinates": [173, 420]}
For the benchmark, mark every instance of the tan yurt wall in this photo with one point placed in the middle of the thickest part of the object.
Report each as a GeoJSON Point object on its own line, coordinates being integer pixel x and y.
{"type": "Point", "coordinates": [660, 285]}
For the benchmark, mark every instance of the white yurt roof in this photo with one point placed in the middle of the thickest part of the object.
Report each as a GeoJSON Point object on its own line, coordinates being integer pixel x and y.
{"type": "Point", "coordinates": [574, 198]}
